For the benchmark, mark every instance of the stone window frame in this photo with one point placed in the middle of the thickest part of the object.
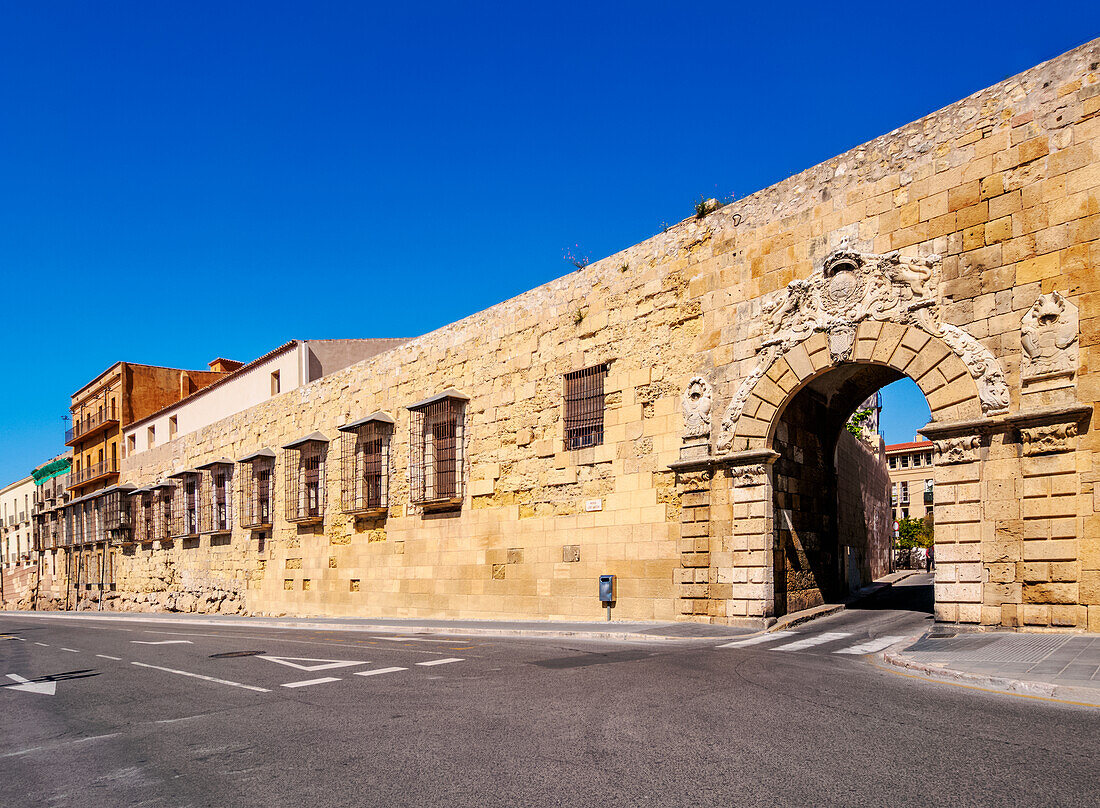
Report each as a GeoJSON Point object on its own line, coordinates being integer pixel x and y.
{"type": "Point", "coordinates": [360, 465]}
{"type": "Point", "coordinates": [434, 486]}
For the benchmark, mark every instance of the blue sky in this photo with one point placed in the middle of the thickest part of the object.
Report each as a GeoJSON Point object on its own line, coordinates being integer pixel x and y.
{"type": "Point", "coordinates": [191, 180]}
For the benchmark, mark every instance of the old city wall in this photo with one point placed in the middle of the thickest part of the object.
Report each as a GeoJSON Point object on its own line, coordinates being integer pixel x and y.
{"type": "Point", "coordinates": [864, 521]}
{"type": "Point", "coordinates": [992, 206]}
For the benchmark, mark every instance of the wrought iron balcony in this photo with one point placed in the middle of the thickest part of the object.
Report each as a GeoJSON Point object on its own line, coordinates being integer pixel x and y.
{"type": "Point", "coordinates": [90, 424]}
{"type": "Point", "coordinates": [94, 472]}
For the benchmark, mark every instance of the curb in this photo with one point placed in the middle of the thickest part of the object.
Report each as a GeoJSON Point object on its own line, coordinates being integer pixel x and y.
{"type": "Point", "coordinates": [1019, 687]}
{"type": "Point", "coordinates": [386, 629]}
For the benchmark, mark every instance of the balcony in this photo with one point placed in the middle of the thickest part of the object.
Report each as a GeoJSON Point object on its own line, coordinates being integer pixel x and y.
{"type": "Point", "coordinates": [93, 473]}
{"type": "Point", "coordinates": [89, 425]}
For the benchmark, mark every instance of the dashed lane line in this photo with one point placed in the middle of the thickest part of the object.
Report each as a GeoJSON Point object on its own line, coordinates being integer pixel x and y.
{"type": "Point", "coordinates": [43, 644]}
{"type": "Point", "coordinates": [104, 656]}
{"type": "Point", "coordinates": [446, 661]}
{"type": "Point", "coordinates": [775, 635]}
{"type": "Point", "coordinates": [871, 646]}
{"type": "Point", "coordinates": [377, 671]}
{"type": "Point", "coordinates": [309, 682]}
{"type": "Point", "coordinates": [71, 650]}
{"type": "Point", "coordinates": [810, 642]}
{"type": "Point", "coordinates": [204, 678]}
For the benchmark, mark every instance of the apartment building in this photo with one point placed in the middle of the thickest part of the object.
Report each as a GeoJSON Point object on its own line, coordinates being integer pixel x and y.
{"type": "Point", "coordinates": [15, 531]}
{"type": "Point", "coordinates": [51, 494]}
{"type": "Point", "coordinates": [911, 478]}
{"type": "Point", "coordinates": [281, 370]}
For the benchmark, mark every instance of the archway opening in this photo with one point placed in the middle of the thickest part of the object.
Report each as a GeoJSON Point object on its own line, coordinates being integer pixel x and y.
{"type": "Point", "coordinates": [834, 515]}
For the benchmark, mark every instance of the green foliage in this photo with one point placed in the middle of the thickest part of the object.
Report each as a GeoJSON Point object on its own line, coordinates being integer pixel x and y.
{"type": "Point", "coordinates": [857, 424]}
{"type": "Point", "coordinates": [915, 532]}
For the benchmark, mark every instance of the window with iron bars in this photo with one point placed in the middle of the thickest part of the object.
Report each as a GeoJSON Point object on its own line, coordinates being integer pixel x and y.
{"type": "Point", "coordinates": [436, 448]}
{"type": "Point", "coordinates": [114, 510]}
{"type": "Point", "coordinates": [142, 507]}
{"type": "Point", "coordinates": [365, 464]}
{"type": "Point", "coordinates": [257, 473]}
{"type": "Point", "coordinates": [584, 404]}
{"type": "Point", "coordinates": [216, 498]}
{"type": "Point", "coordinates": [305, 480]}
{"type": "Point", "coordinates": [185, 505]}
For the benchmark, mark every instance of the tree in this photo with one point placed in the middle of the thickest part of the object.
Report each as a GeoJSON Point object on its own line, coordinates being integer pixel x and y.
{"type": "Point", "coordinates": [915, 532]}
{"type": "Point", "coordinates": [857, 424]}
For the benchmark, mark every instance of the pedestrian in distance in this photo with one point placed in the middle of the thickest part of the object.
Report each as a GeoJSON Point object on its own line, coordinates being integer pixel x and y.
{"type": "Point", "coordinates": [929, 559]}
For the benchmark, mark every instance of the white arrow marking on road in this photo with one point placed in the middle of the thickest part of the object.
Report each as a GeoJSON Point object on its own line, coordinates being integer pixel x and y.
{"type": "Point", "coordinates": [324, 664]}
{"type": "Point", "coordinates": [161, 642]}
{"type": "Point", "coordinates": [47, 688]}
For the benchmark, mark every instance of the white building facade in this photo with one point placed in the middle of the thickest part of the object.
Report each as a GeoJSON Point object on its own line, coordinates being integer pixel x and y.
{"type": "Point", "coordinates": [16, 539]}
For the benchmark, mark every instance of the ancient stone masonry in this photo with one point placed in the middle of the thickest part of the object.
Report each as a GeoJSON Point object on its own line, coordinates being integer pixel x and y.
{"type": "Point", "coordinates": [961, 251]}
{"type": "Point", "coordinates": [852, 287]}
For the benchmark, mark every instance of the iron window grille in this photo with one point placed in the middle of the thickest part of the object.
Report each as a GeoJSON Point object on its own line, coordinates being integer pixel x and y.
{"type": "Point", "coordinates": [436, 449]}
{"type": "Point", "coordinates": [305, 478]}
{"type": "Point", "coordinates": [185, 505]}
{"type": "Point", "coordinates": [113, 515]}
{"type": "Point", "coordinates": [365, 464]}
{"type": "Point", "coordinates": [584, 405]}
{"type": "Point", "coordinates": [257, 474]}
{"type": "Point", "coordinates": [216, 497]}
{"type": "Point", "coordinates": [144, 518]}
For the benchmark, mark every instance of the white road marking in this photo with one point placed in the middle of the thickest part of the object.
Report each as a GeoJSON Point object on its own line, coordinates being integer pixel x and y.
{"type": "Point", "coordinates": [451, 640]}
{"type": "Point", "coordinates": [204, 678]}
{"type": "Point", "coordinates": [44, 645]}
{"type": "Point", "coordinates": [71, 650]}
{"type": "Point", "coordinates": [45, 688]}
{"type": "Point", "coordinates": [324, 664]}
{"type": "Point", "coordinates": [378, 671]}
{"type": "Point", "coordinates": [775, 635]}
{"type": "Point", "coordinates": [309, 682]}
{"type": "Point", "coordinates": [104, 656]}
{"type": "Point", "coordinates": [161, 642]}
{"type": "Point", "coordinates": [817, 639]}
{"type": "Point", "coordinates": [58, 745]}
{"type": "Point", "coordinates": [439, 661]}
{"type": "Point", "coordinates": [871, 646]}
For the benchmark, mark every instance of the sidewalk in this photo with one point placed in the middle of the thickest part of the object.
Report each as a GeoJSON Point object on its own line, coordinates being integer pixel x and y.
{"type": "Point", "coordinates": [1062, 666]}
{"type": "Point", "coordinates": [626, 630]}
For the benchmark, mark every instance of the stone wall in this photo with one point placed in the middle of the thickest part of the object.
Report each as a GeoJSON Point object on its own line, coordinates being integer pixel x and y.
{"type": "Point", "coordinates": [933, 251]}
{"type": "Point", "coordinates": [864, 520]}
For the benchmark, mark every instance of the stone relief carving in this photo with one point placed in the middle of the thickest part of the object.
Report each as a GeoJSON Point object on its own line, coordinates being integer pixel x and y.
{"type": "Point", "coordinates": [957, 450]}
{"type": "Point", "coordinates": [697, 405]}
{"type": "Point", "coordinates": [1049, 336]}
{"type": "Point", "coordinates": [850, 288]}
{"type": "Point", "coordinates": [1037, 440]}
{"type": "Point", "coordinates": [749, 475]}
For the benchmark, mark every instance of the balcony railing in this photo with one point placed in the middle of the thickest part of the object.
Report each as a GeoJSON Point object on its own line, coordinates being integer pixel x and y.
{"type": "Point", "coordinates": [89, 423]}
{"type": "Point", "coordinates": [85, 475]}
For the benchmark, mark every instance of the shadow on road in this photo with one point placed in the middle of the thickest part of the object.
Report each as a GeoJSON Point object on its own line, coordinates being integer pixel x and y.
{"type": "Point", "coordinates": [57, 677]}
{"type": "Point", "coordinates": [910, 595]}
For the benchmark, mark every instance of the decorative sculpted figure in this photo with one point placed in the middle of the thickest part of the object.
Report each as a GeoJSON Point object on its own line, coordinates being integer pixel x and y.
{"type": "Point", "coordinates": [1049, 336]}
{"type": "Point", "coordinates": [697, 405]}
{"type": "Point", "coordinates": [853, 287]}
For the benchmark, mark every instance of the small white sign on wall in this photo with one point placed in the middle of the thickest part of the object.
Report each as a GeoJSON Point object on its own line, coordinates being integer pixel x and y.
{"type": "Point", "coordinates": [593, 505]}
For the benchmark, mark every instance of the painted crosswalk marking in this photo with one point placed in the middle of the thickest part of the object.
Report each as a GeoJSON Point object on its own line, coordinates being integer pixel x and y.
{"type": "Point", "coordinates": [377, 671]}
{"type": "Point", "coordinates": [775, 635]}
{"type": "Point", "coordinates": [308, 682]}
{"type": "Point", "coordinates": [810, 642]}
{"type": "Point", "coordinates": [439, 661]}
{"type": "Point", "coordinates": [871, 646]}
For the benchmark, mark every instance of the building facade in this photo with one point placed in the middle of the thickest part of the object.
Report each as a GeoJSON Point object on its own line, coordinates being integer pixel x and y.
{"type": "Point", "coordinates": [912, 484]}
{"type": "Point", "coordinates": [672, 414]}
{"type": "Point", "coordinates": [15, 528]}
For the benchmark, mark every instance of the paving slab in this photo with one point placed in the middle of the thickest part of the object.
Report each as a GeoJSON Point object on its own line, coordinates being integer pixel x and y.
{"type": "Point", "coordinates": [1060, 666]}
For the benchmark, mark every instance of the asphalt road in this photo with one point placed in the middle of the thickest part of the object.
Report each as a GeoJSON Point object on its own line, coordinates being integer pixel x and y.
{"type": "Point", "coordinates": [793, 720]}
